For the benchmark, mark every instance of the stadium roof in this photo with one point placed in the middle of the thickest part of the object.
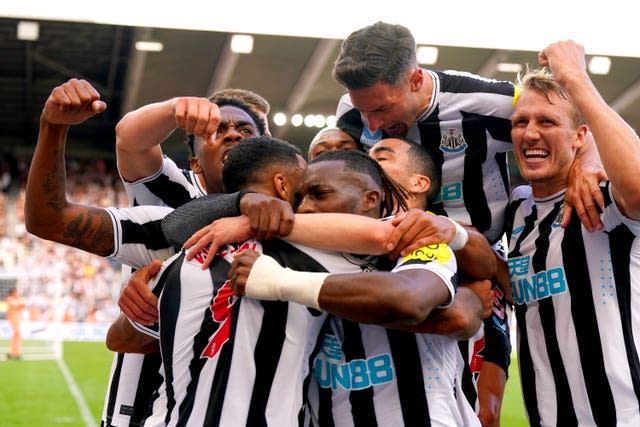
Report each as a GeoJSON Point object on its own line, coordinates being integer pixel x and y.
{"type": "Point", "coordinates": [292, 72]}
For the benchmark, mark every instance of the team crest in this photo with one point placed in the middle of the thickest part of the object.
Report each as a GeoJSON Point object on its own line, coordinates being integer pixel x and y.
{"type": "Point", "coordinates": [453, 142]}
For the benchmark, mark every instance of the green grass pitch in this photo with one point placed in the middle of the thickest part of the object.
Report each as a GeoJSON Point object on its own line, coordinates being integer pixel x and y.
{"type": "Point", "coordinates": [34, 393]}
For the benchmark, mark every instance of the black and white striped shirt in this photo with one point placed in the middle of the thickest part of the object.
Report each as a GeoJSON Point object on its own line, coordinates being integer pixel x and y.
{"type": "Point", "coordinates": [467, 129]}
{"type": "Point", "coordinates": [135, 378]}
{"type": "Point", "coordinates": [371, 376]}
{"type": "Point", "coordinates": [577, 312]}
{"type": "Point", "coordinates": [229, 360]}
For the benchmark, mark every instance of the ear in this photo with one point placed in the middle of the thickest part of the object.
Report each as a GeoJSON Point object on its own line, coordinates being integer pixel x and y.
{"type": "Point", "coordinates": [416, 80]}
{"type": "Point", "coordinates": [194, 162]}
{"type": "Point", "coordinates": [281, 186]}
{"type": "Point", "coordinates": [420, 184]}
{"type": "Point", "coordinates": [583, 134]}
{"type": "Point", "coordinates": [371, 200]}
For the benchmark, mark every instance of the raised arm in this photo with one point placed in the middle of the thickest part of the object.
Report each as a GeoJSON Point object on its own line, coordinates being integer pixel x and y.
{"type": "Point", "coordinates": [48, 213]}
{"type": "Point", "coordinates": [140, 132]}
{"type": "Point", "coordinates": [617, 143]}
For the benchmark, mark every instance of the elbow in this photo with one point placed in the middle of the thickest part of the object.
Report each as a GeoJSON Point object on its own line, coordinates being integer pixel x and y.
{"type": "Point", "coordinates": [465, 327]}
{"type": "Point", "coordinates": [113, 343]}
{"type": "Point", "coordinates": [35, 225]}
{"type": "Point", "coordinates": [410, 309]}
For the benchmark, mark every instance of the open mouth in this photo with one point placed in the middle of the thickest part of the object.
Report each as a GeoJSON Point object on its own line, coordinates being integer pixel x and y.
{"type": "Point", "coordinates": [535, 154]}
{"type": "Point", "coordinates": [224, 156]}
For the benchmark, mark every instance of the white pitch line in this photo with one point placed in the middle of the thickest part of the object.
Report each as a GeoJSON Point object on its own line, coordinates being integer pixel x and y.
{"type": "Point", "coordinates": [77, 395]}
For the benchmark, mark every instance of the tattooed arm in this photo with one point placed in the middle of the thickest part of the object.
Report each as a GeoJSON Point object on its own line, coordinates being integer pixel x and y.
{"type": "Point", "coordinates": [48, 213]}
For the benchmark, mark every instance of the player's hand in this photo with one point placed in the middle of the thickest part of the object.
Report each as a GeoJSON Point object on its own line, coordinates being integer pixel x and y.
{"type": "Point", "coordinates": [215, 235]}
{"type": "Point", "coordinates": [240, 270]}
{"type": "Point", "coordinates": [415, 229]}
{"type": "Point", "coordinates": [483, 290]}
{"type": "Point", "coordinates": [197, 116]}
{"type": "Point", "coordinates": [565, 59]}
{"type": "Point", "coordinates": [584, 195]}
{"type": "Point", "coordinates": [137, 301]}
{"type": "Point", "coordinates": [72, 102]}
{"type": "Point", "coordinates": [269, 217]}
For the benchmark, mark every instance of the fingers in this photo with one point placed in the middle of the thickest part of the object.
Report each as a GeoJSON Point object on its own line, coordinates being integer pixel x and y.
{"type": "Point", "coordinates": [394, 245]}
{"type": "Point", "coordinates": [137, 301]}
{"type": "Point", "coordinates": [197, 116]}
{"type": "Point", "coordinates": [240, 270]}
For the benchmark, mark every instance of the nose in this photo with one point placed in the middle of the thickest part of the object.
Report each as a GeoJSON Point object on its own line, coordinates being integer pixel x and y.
{"type": "Point", "coordinates": [306, 206]}
{"type": "Point", "coordinates": [231, 135]}
{"type": "Point", "coordinates": [531, 132]}
{"type": "Point", "coordinates": [373, 123]}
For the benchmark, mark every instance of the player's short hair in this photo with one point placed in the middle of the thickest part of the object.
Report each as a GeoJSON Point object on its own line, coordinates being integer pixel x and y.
{"type": "Point", "coordinates": [258, 102]}
{"type": "Point", "coordinates": [251, 156]}
{"type": "Point", "coordinates": [542, 81]}
{"type": "Point", "coordinates": [394, 195]}
{"type": "Point", "coordinates": [422, 163]}
{"type": "Point", "coordinates": [379, 52]}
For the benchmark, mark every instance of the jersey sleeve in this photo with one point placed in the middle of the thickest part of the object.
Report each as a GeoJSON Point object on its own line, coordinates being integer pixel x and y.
{"type": "Point", "coordinates": [138, 237]}
{"type": "Point", "coordinates": [170, 186]}
{"type": "Point", "coordinates": [440, 260]}
{"type": "Point", "coordinates": [182, 223]}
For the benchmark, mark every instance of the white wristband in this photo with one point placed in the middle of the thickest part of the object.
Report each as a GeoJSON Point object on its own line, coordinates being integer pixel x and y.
{"type": "Point", "coordinates": [268, 280]}
{"type": "Point", "coordinates": [460, 238]}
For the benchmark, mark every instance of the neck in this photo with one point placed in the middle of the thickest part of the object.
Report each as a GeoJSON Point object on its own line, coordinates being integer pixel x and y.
{"type": "Point", "coordinates": [417, 201]}
{"type": "Point", "coordinates": [546, 189]}
{"type": "Point", "coordinates": [426, 91]}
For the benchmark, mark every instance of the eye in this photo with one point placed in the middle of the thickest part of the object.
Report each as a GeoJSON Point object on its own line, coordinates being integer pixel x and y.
{"type": "Point", "coordinates": [519, 122]}
{"type": "Point", "coordinates": [247, 130]}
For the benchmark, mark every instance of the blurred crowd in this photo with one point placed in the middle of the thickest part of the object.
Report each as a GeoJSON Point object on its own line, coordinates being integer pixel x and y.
{"type": "Point", "coordinates": [87, 286]}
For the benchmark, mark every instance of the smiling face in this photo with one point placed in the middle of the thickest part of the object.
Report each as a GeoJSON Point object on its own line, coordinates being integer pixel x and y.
{"type": "Point", "coordinates": [545, 140]}
{"type": "Point", "coordinates": [235, 125]}
{"type": "Point", "coordinates": [392, 108]}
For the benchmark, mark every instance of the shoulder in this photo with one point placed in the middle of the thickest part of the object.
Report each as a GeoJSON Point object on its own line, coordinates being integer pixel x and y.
{"type": "Point", "coordinates": [462, 81]}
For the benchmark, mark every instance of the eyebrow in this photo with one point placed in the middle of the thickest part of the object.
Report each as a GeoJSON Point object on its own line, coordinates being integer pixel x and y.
{"type": "Point", "coordinates": [377, 150]}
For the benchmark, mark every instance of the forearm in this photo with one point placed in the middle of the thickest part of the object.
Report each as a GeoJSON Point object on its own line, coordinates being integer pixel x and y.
{"type": "Point", "coordinates": [476, 259]}
{"type": "Point", "coordinates": [616, 142]}
{"type": "Point", "coordinates": [48, 213]}
{"type": "Point", "coordinates": [341, 232]}
{"type": "Point", "coordinates": [381, 298]}
{"type": "Point", "coordinates": [183, 222]}
{"type": "Point", "coordinates": [138, 137]}
{"type": "Point", "coordinates": [122, 337]}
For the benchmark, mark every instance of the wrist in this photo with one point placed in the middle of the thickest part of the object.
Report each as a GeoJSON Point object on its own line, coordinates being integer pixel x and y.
{"type": "Point", "coordinates": [460, 238]}
{"type": "Point", "coordinates": [241, 195]}
{"type": "Point", "coordinates": [270, 281]}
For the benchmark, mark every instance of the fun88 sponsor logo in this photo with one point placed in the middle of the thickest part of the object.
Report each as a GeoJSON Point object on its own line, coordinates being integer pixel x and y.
{"type": "Point", "coordinates": [528, 287]}
{"type": "Point", "coordinates": [450, 193]}
{"type": "Point", "coordinates": [331, 371]}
